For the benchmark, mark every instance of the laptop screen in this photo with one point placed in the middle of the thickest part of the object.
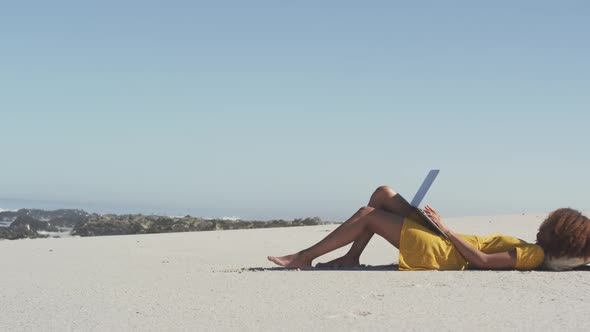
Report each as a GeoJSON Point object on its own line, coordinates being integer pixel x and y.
{"type": "Point", "coordinates": [424, 187]}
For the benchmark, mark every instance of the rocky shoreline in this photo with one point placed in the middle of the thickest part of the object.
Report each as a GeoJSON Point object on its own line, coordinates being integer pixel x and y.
{"type": "Point", "coordinates": [33, 223]}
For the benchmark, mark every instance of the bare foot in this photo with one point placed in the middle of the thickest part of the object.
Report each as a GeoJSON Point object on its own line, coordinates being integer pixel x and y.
{"type": "Point", "coordinates": [338, 263]}
{"type": "Point", "coordinates": [294, 261]}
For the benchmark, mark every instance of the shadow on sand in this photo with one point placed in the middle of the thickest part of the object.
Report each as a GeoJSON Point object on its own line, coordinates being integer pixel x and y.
{"type": "Point", "coordinates": [582, 268]}
{"type": "Point", "coordinates": [391, 267]}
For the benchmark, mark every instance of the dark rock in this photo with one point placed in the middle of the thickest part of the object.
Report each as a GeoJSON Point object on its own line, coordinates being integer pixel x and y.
{"type": "Point", "coordinates": [25, 221]}
{"type": "Point", "coordinates": [308, 221]}
{"type": "Point", "coordinates": [97, 225]}
{"type": "Point", "coordinates": [59, 218]}
{"type": "Point", "coordinates": [109, 224]}
{"type": "Point", "coordinates": [19, 233]}
{"type": "Point", "coordinates": [8, 216]}
{"type": "Point", "coordinates": [161, 225]}
{"type": "Point", "coordinates": [279, 223]}
{"type": "Point", "coordinates": [139, 224]}
{"type": "Point", "coordinates": [67, 221]}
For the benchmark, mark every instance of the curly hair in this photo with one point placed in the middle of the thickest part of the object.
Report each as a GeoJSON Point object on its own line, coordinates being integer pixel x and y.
{"type": "Point", "coordinates": [565, 233]}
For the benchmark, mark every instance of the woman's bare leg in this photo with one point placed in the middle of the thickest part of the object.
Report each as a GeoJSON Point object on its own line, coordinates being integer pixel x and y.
{"type": "Point", "coordinates": [367, 219]}
{"type": "Point", "coordinates": [384, 198]}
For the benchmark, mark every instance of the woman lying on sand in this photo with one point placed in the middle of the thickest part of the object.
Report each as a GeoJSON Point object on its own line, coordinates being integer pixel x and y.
{"type": "Point", "coordinates": [565, 236]}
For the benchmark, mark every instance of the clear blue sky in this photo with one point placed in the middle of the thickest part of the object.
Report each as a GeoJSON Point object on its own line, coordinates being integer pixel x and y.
{"type": "Point", "coordinates": [268, 110]}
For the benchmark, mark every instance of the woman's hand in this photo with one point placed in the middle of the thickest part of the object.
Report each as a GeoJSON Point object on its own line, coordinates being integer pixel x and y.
{"type": "Point", "coordinates": [435, 217]}
{"type": "Point", "coordinates": [475, 257]}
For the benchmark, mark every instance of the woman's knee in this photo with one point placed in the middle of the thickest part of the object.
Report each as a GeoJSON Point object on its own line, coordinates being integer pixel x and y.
{"type": "Point", "coordinates": [381, 194]}
{"type": "Point", "coordinates": [385, 190]}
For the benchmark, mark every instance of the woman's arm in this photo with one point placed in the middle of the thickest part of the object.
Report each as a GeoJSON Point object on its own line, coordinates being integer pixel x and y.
{"type": "Point", "coordinates": [478, 259]}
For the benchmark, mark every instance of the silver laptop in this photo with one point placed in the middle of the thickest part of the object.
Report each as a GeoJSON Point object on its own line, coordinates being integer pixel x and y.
{"type": "Point", "coordinates": [420, 196]}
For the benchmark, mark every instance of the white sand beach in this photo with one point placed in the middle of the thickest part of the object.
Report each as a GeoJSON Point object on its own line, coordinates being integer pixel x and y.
{"type": "Point", "coordinates": [221, 280]}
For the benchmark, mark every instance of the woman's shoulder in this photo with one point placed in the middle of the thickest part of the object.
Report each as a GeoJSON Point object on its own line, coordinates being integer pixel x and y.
{"type": "Point", "coordinates": [529, 256]}
{"type": "Point", "coordinates": [499, 242]}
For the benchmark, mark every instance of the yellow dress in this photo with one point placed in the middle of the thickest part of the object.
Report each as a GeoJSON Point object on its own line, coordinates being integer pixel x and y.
{"type": "Point", "coordinates": [422, 249]}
